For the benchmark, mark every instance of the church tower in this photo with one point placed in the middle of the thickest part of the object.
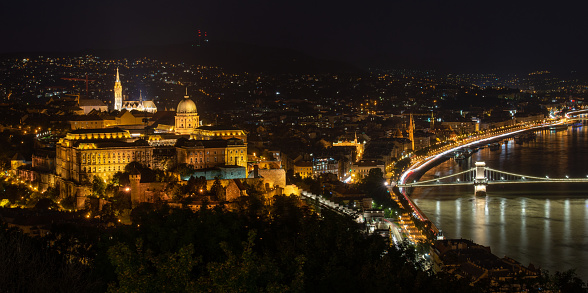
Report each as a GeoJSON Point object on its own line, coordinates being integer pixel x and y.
{"type": "Point", "coordinates": [186, 116]}
{"type": "Point", "coordinates": [411, 132]}
{"type": "Point", "coordinates": [117, 93]}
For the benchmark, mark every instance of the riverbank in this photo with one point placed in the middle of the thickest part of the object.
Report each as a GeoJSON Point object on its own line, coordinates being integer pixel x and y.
{"type": "Point", "coordinates": [545, 224]}
{"type": "Point", "coordinates": [418, 169]}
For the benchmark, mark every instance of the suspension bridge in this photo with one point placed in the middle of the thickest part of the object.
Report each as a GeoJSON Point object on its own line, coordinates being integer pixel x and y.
{"type": "Point", "coordinates": [481, 176]}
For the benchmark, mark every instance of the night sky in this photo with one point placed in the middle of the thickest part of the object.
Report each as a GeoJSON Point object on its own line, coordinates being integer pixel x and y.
{"type": "Point", "coordinates": [465, 36]}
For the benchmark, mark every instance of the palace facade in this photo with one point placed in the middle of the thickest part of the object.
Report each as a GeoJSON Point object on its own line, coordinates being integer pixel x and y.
{"type": "Point", "coordinates": [85, 153]}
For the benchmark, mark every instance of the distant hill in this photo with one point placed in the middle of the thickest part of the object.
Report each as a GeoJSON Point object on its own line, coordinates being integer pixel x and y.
{"type": "Point", "coordinates": [231, 56]}
{"type": "Point", "coordinates": [234, 57]}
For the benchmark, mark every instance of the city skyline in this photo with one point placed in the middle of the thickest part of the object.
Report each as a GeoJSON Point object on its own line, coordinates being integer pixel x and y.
{"type": "Point", "coordinates": [454, 37]}
{"type": "Point", "coordinates": [417, 146]}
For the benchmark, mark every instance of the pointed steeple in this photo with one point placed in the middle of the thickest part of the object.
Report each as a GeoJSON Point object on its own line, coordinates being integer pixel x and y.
{"type": "Point", "coordinates": [118, 97]}
{"type": "Point", "coordinates": [411, 132]}
{"type": "Point", "coordinates": [140, 96]}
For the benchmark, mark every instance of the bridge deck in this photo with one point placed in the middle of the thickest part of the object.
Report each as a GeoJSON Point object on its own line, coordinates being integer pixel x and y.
{"type": "Point", "coordinates": [495, 182]}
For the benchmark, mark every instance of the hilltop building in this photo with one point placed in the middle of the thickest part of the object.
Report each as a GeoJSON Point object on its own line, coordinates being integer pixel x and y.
{"type": "Point", "coordinates": [140, 105]}
{"type": "Point", "coordinates": [92, 149]}
{"type": "Point", "coordinates": [186, 116]}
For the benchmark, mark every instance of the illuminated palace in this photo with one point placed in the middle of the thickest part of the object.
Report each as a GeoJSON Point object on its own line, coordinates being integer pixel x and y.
{"type": "Point", "coordinates": [120, 103]}
{"type": "Point", "coordinates": [85, 153]}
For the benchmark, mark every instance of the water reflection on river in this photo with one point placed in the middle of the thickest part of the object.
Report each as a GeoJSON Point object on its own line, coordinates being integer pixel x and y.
{"type": "Point", "coordinates": [543, 224]}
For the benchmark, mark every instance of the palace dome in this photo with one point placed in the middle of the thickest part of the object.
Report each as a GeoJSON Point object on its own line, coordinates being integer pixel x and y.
{"type": "Point", "coordinates": [186, 105]}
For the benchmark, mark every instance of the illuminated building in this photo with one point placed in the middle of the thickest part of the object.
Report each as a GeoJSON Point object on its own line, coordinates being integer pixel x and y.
{"type": "Point", "coordinates": [324, 165]}
{"type": "Point", "coordinates": [186, 116]}
{"type": "Point", "coordinates": [363, 167]}
{"type": "Point", "coordinates": [211, 153]}
{"type": "Point", "coordinates": [117, 93]}
{"type": "Point", "coordinates": [218, 132]}
{"type": "Point", "coordinates": [86, 153]}
{"type": "Point", "coordinates": [140, 105]}
{"type": "Point", "coordinates": [359, 146]}
{"type": "Point", "coordinates": [303, 168]}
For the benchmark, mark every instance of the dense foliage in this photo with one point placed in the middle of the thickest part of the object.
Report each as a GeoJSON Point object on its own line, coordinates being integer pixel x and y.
{"type": "Point", "coordinates": [277, 247]}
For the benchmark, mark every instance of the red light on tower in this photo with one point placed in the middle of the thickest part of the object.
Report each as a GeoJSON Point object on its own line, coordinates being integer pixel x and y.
{"type": "Point", "coordinates": [201, 38]}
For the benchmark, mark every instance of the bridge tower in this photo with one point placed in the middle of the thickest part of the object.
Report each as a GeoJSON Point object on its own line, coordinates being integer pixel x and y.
{"type": "Point", "coordinates": [480, 181]}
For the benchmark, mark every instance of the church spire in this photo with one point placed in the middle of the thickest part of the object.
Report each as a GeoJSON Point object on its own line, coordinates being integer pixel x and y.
{"type": "Point", "coordinates": [411, 132]}
{"type": "Point", "coordinates": [118, 97]}
{"type": "Point", "coordinates": [140, 96]}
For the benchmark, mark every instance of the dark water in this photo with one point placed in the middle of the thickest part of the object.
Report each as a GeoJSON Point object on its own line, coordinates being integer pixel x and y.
{"type": "Point", "coordinates": [543, 224]}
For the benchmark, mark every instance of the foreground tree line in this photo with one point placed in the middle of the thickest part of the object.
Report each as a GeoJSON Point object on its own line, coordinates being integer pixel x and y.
{"type": "Point", "coordinates": [277, 246]}
{"type": "Point", "coordinates": [262, 246]}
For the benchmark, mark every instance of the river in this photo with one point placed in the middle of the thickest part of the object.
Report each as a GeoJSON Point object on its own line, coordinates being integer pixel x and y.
{"type": "Point", "coordinates": [543, 224]}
